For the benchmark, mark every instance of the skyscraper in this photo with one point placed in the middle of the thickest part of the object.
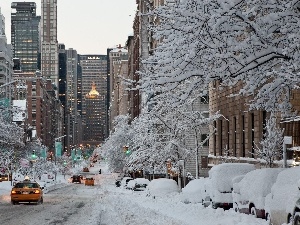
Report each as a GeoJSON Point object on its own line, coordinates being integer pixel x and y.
{"type": "Point", "coordinates": [25, 35]}
{"type": "Point", "coordinates": [94, 127]}
{"type": "Point", "coordinates": [49, 44]}
{"type": "Point", "coordinates": [6, 64]}
{"type": "Point", "coordinates": [94, 71]}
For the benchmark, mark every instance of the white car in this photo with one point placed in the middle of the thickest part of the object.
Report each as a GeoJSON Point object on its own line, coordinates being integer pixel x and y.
{"type": "Point", "coordinates": [138, 184]}
{"type": "Point", "coordinates": [125, 181]}
{"type": "Point", "coordinates": [249, 194]}
{"type": "Point", "coordinates": [221, 177]}
{"type": "Point", "coordinates": [280, 203]}
{"type": "Point", "coordinates": [196, 191]}
{"type": "Point", "coordinates": [162, 186]}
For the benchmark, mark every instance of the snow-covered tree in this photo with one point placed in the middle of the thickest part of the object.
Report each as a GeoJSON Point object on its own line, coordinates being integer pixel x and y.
{"type": "Point", "coordinates": [113, 147]}
{"type": "Point", "coordinates": [270, 148]}
{"type": "Point", "coordinates": [252, 41]}
{"type": "Point", "coordinates": [11, 135]}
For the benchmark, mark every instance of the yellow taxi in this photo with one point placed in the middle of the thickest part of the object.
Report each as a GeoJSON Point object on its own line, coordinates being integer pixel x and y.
{"type": "Point", "coordinates": [85, 169]}
{"type": "Point", "coordinates": [26, 191]}
{"type": "Point", "coordinates": [89, 181]}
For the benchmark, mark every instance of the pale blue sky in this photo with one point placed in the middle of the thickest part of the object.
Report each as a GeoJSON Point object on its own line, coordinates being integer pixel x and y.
{"type": "Point", "coordinates": [89, 26]}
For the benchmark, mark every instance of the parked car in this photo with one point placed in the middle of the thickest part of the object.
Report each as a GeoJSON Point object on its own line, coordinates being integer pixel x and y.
{"type": "Point", "coordinates": [125, 181]}
{"type": "Point", "coordinates": [281, 203]}
{"type": "Point", "coordinates": [221, 182]}
{"type": "Point", "coordinates": [162, 186]}
{"type": "Point", "coordinates": [249, 194]}
{"type": "Point", "coordinates": [196, 191]}
{"type": "Point", "coordinates": [138, 184]}
{"type": "Point", "coordinates": [26, 191]}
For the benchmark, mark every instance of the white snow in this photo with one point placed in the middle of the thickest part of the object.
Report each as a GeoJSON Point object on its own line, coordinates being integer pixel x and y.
{"type": "Point", "coordinates": [256, 185]}
{"type": "Point", "coordinates": [166, 208]}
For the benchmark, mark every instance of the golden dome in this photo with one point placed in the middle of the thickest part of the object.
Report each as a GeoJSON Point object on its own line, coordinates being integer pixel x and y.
{"type": "Point", "coordinates": [93, 92]}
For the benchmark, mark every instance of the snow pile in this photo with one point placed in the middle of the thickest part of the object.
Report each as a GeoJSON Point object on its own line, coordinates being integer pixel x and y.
{"type": "Point", "coordinates": [256, 184]}
{"type": "Point", "coordinates": [194, 191]}
{"type": "Point", "coordinates": [284, 192]}
{"type": "Point", "coordinates": [141, 181]}
{"type": "Point", "coordinates": [221, 175]}
{"type": "Point", "coordinates": [162, 186]}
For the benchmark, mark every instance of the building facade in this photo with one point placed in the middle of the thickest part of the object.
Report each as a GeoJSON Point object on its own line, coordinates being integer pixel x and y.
{"type": "Point", "coordinates": [94, 124]}
{"type": "Point", "coordinates": [6, 65]}
{"type": "Point", "coordinates": [49, 44]}
{"type": "Point", "coordinates": [25, 35]}
{"type": "Point", "coordinates": [118, 58]}
{"type": "Point", "coordinates": [94, 71]}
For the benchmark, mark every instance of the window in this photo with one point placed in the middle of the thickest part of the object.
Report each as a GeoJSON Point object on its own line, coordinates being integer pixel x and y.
{"type": "Point", "coordinates": [203, 138]}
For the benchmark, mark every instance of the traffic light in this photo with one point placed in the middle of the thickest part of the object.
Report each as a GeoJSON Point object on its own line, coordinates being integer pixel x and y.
{"type": "Point", "coordinates": [126, 150]}
{"type": "Point", "coordinates": [65, 162]}
{"type": "Point", "coordinates": [33, 155]}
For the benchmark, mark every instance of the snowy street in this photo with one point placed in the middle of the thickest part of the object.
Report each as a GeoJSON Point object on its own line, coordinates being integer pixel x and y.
{"type": "Point", "coordinates": [106, 204]}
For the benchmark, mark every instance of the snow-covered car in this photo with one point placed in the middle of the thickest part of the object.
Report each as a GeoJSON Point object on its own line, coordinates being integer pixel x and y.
{"type": "Point", "coordinates": [196, 192]}
{"type": "Point", "coordinates": [221, 177]}
{"type": "Point", "coordinates": [162, 186]}
{"type": "Point", "coordinates": [281, 203]}
{"type": "Point", "coordinates": [125, 181]}
{"type": "Point", "coordinates": [249, 194]}
{"type": "Point", "coordinates": [138, 184]}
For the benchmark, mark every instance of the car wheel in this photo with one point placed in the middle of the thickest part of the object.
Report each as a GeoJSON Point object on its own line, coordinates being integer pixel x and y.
{"type": "Point", "coordinates": [253, 211]}
{"type": "Point", "coordinates": [296, 220]}
{"type": "Point", "coordinates": [236, 207]}
{"type": "Point", "coordinates": [214, 205]}
{"type": "Point", "coordinates": [14, 202]}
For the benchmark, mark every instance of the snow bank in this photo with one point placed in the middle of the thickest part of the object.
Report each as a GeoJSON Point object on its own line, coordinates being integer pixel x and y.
{"type": "Point", "coordinates": [194, 191]}
{"type": "Point", "coordinates": [162, 186]}
{"type": "Point", "coordinates": [256, 184]}
{"type": "Point", "coordinates": [221, 175]}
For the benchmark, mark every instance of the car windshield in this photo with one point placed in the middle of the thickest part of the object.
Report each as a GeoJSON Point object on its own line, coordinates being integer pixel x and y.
{"type": "Point", "coordinates": [26, 185]}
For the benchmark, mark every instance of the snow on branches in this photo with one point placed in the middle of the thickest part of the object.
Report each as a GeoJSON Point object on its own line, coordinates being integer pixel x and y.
{"type": "Point", "coordinates": [255, 41]}
{"type": "Point", "coordinates": [270, 148]}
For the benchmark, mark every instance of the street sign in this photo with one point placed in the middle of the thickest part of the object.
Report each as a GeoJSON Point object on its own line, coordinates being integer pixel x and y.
{"type": "Point", "coordinates": [287, 140]}
{"type": "Point", "coordinates": [58, 148]}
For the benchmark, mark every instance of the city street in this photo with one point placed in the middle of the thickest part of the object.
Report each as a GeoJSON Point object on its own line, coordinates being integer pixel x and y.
{"type": "Point", "coordinates": [106, 204]}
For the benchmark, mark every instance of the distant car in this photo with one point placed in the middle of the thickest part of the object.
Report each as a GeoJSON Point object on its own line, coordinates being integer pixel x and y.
{"type": "Point", "coordinates": [138, 184]}
{"type": "Point", "coordinates": [77, 179]}
{"type": "Point", "coordinates": [5, 177]}
{"type": "Point", "coordinates": [85, 169]}
{"type": "Point", "coordinates": [89, 181]}
{"type": "Point", "coordinates": [26, 191]}
{"type": "Point", "coordinates": [249, 194]}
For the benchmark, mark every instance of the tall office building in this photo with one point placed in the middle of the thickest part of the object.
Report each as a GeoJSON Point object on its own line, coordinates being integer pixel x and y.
{"type": "Point", "coordinates": [2, 24]}
{"type": "Point", "coordinates": [25, 35]}
{"type": "Point", "coordinates": [6, 65]}
{"type": "Point", "coordinates": [94, 127]}
{"type": "Point", "coordinates": [94, 71]}
{"type": "Point", "coordinates": [49, 44]}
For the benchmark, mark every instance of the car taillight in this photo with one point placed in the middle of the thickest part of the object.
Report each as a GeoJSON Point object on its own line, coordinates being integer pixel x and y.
{"type": "Point", "coordinates": [36, 191]}
{"type": "Point", "coordinates": [13, 192]}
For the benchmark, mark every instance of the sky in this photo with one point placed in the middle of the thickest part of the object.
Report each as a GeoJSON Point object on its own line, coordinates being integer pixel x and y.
{"type": "Point", "coordinates": [89, 26]}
